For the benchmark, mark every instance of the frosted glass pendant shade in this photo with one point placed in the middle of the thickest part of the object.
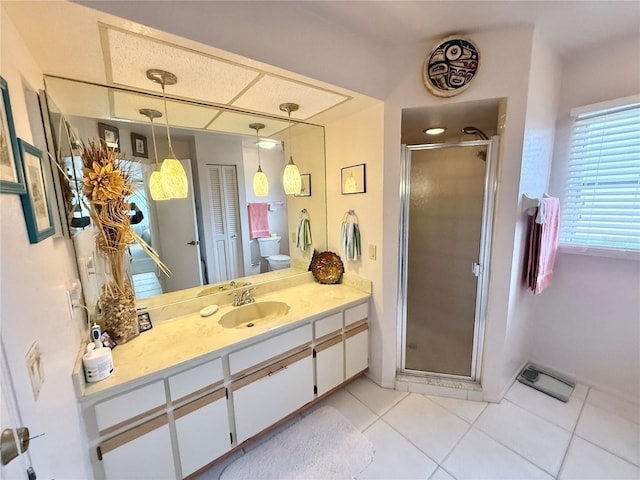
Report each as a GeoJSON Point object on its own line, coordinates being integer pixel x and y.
{"type": "Point", "coordinates": [174, 178]}
{"type": "Point", "coordinates": [260, 184]}
{"type": "Point", "coordinates": [291, 178]}
{"type": "Point", "coordinates": [156, 188]}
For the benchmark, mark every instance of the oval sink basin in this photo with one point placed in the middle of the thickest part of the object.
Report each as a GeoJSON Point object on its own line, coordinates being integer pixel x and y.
{"type": "Point", "coordinates": [253, 314]}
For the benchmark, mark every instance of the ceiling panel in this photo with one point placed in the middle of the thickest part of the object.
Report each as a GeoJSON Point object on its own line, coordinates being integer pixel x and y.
{"type": "Point", "coordinates": [269, 92]}
{"type": "Point", "coordinates": [126, 106]}
{"type": "Point", "coordinates": [239, 123]}
{"type": "Point", "coordinates": [199, 76]}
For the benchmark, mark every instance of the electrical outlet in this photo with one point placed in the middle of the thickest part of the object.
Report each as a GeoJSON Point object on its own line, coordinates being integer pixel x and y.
{"type": "Point", "coordinates": [34, 367]}
{"type": "Point", "coordinates": [372, 252]}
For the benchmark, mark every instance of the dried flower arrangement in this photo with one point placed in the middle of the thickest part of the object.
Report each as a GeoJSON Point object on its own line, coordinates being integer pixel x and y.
{"type": "Point", "coordinates": [107, 184]}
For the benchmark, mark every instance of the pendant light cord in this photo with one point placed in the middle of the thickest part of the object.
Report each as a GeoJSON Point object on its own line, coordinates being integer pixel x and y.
{"type": "Point", "coordinates": [166, 117]}
{"type": "Point", "coordinates": [258, 143]}
{"type": "Point", "coordinates": [290, 144]}
{"type": "Point", "coordinates": [153, 137]}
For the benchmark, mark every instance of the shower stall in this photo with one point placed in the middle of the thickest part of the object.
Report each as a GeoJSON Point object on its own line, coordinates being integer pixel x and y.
{"type": "Point", "coordinates": [448, 195]}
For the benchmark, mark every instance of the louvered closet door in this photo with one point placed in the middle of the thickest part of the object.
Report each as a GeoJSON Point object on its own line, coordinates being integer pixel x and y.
{"type": "Point", "coordinates": [223, 202]}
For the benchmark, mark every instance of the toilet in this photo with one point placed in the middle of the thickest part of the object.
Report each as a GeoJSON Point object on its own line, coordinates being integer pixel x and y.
{"type": "Point", "coordinates": [270, 251]}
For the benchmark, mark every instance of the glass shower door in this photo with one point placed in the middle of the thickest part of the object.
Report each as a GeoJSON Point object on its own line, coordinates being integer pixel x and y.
{"type": "Point", "coordinates": [444, 202]}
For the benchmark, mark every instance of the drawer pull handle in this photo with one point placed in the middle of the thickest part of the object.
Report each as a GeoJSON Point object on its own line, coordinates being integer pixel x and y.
{"type": "Point", "coordinates": [283, 367]}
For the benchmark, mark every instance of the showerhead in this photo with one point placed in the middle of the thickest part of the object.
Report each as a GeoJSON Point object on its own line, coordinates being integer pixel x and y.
{"type": "Point", "coordinates": [470, 130]}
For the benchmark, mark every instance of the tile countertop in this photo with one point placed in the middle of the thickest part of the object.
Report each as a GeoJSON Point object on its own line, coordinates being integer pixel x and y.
{"type": "Point", "coordinates": [188, 337]}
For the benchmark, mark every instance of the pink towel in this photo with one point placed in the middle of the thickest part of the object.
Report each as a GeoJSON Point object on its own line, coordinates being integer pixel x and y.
{"type": "Point", "coordinates": [258, 221]}
{"type": "Point", "coordinates": [547, 245]}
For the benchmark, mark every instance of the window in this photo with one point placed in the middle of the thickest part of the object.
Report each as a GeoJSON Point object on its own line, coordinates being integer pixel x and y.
{"type": "Point", "coordinates": [601, 205]}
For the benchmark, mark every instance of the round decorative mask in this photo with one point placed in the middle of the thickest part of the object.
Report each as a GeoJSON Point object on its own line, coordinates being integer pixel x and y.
{"type": "Point", "coordinates": [450, 66]}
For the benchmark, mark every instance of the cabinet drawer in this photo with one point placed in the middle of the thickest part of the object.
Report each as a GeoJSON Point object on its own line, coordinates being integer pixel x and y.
{"type": "Point", "coordinates": [328, 325]}
{"type": "Point", "coordinates": [267, 396]}
{"type": "Point", "coordinates": [142, 452]}
{"type": "Point", "coordinates": [274, 347]}
{"type": "Point", "coordinates": [128, 407]}
{"type": "Point", "coordinates": [202, 431]}
{"type": "Point", "coordinates": [355, 314]}
{"type": "Point", "coordinates": [195, 380]}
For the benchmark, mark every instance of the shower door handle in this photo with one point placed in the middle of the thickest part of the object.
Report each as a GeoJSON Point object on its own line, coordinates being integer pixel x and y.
{"type": "Point", "coordinates": [476, 269]}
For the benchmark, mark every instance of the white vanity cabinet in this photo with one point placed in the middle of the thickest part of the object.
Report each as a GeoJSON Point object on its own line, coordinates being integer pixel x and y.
{"type": "Point", "coordinates": [135, 440]}
{"type": "Point", "coordinates": [356, 343]}
{"type": "Point", "coordinates": [201, 421]}
{"type": "Point", "coordinates": [329, 353]}
{"type": "Point", "coordinates": [187, 416]}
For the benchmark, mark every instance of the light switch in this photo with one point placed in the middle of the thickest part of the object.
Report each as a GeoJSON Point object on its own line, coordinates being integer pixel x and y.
{"type": "Point", "coordinates": [34, 367]}
{"type": "Point", "coordinates": [372, 252]}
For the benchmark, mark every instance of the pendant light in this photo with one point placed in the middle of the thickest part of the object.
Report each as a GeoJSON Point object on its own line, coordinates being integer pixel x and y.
{"type": "Point", "coordinates": [172, 174]}
{"type": "Point", "coordinates": [260, 182]}
{"type": "Point", "coordinates": [291, 178]}
{"type": "Point", "coordinates": [155, 182]}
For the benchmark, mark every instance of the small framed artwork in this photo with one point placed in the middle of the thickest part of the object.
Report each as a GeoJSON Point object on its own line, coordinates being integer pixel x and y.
{"type": "Point", "coordinates": [107, 341]}
{"type": "Point", "coordinates": [144, 322]}
{"type": "Point", "coordinates": [305, 191]}
{"type": "Point", "coordinates": [110, 135]}
{"type": "Point", "coordinates": [139, 145]}
{"type": "Point", "coordinates": [35, 203]}
{"type": "Point", "coordinates": [11, 174]}
{"type": "Point", "coordinates": [353, 179]}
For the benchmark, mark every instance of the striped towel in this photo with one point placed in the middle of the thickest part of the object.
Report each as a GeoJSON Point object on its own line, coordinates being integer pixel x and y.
{"type": "Point", "coordinates": [350, 240]}
{"type": "Point", "coordinates": [304, 234]}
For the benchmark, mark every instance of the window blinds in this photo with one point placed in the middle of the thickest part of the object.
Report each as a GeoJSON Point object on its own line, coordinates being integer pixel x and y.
{"type": "Point", "coordinates": [601, 205]}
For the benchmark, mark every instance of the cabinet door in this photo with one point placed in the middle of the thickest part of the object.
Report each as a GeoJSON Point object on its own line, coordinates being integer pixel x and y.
{"type": "Point", "coordinates": [329, 364]}
{"type": "Point", "coordinates": [140, 453]}
{"type": "Point", "coordinates": [202, 429]}
{"type": "Point", "coordinates": [268, 395]}
{"type": "Point", "coordinates": [356, 350]}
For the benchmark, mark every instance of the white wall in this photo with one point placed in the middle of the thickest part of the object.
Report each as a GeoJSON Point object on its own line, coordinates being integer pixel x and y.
{"type": "Point", "coordinates": [587, 323]}
{"type": "Point", "coordinates": [542, 109]}
{"type": "Point", "coordinates": [33, 300]}
{"type": "Point", "coordinates": [358, 139]}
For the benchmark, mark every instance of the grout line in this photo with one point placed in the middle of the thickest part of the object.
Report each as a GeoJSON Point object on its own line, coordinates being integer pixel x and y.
{"type": "Point", "coordinates": [409, 440]}
{"type": "Point", "coordinates": [573, 431]}
{"type": "Point", "coordinates": [608, 451]}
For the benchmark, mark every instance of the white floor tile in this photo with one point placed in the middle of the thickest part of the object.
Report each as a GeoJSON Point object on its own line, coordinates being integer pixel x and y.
{"type": "Point", "coordinates": [349, 406]}
{"type": "Point", "coordinates": [441, 474]}
{"type": "Point", "coordinates": [479, 456]}
{"type": "Point", "coordinates": [611, 432]}
{"type": "Point", "coordinates": [378, 399]}
{"type": "Point", "coordinates": [427, 425]}
{"type": "Point", "coordinates": [563, 414]}
{"type": "Point", "coordinates": [619, 406]}
{"type": "Point", "coordinates": [466, 409]}
{"type": "Point", "coordinates": [395, 457]}
{"type": "Point", "coordinates": [586, 461]}
{"type": "Point", "coordinates": [539, 441]}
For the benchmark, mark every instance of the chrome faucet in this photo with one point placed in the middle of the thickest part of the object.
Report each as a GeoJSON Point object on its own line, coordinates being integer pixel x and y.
{"type": "Point", "coordinates": [245, 297]}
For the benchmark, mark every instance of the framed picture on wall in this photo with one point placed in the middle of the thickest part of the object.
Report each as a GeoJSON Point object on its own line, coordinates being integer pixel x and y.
{"type": "Point", "coordinates": [353, 179]}
{"type": "Point", "coordinates": [110, 135]}
{"type": "Point", "coordinates": [11, 174]}
{"type": "Point", "coordinates": [139, 145]}
{"type": "Point", "coordinates": [35, 204]}
{"type": "Point", "coordinates": [305, 191]}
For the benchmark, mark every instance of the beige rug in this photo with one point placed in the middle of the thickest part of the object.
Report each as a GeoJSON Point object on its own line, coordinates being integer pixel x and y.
{"type": "Point", "coordinates": [323, 445]}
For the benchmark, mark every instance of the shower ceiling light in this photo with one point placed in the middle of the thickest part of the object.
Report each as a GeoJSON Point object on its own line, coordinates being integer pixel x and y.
{"type": "Point", "coordinates": [291, 179]}
{"type": "Point", "coordinates": [434, 130]}
{"type": "Point", "coordinates": [155, 180]}
{"type": "Point", "coordinates": [260, 182]}
{"type": "Point", "coordinates": [172, 173]}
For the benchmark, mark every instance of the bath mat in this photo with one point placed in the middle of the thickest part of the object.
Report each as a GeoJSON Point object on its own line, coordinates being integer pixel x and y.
{"type": "Point", "coordinates": [323, 445]}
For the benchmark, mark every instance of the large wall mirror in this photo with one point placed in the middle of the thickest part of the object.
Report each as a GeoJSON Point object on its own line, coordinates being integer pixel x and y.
{"type": "Point", "coordinates": [204, 239]}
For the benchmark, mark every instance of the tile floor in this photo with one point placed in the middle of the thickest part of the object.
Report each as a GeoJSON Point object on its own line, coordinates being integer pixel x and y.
{"type": "Point", "coordinates": [528, 435]}
{"type": "Point", "coordinates": [146, 285]}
